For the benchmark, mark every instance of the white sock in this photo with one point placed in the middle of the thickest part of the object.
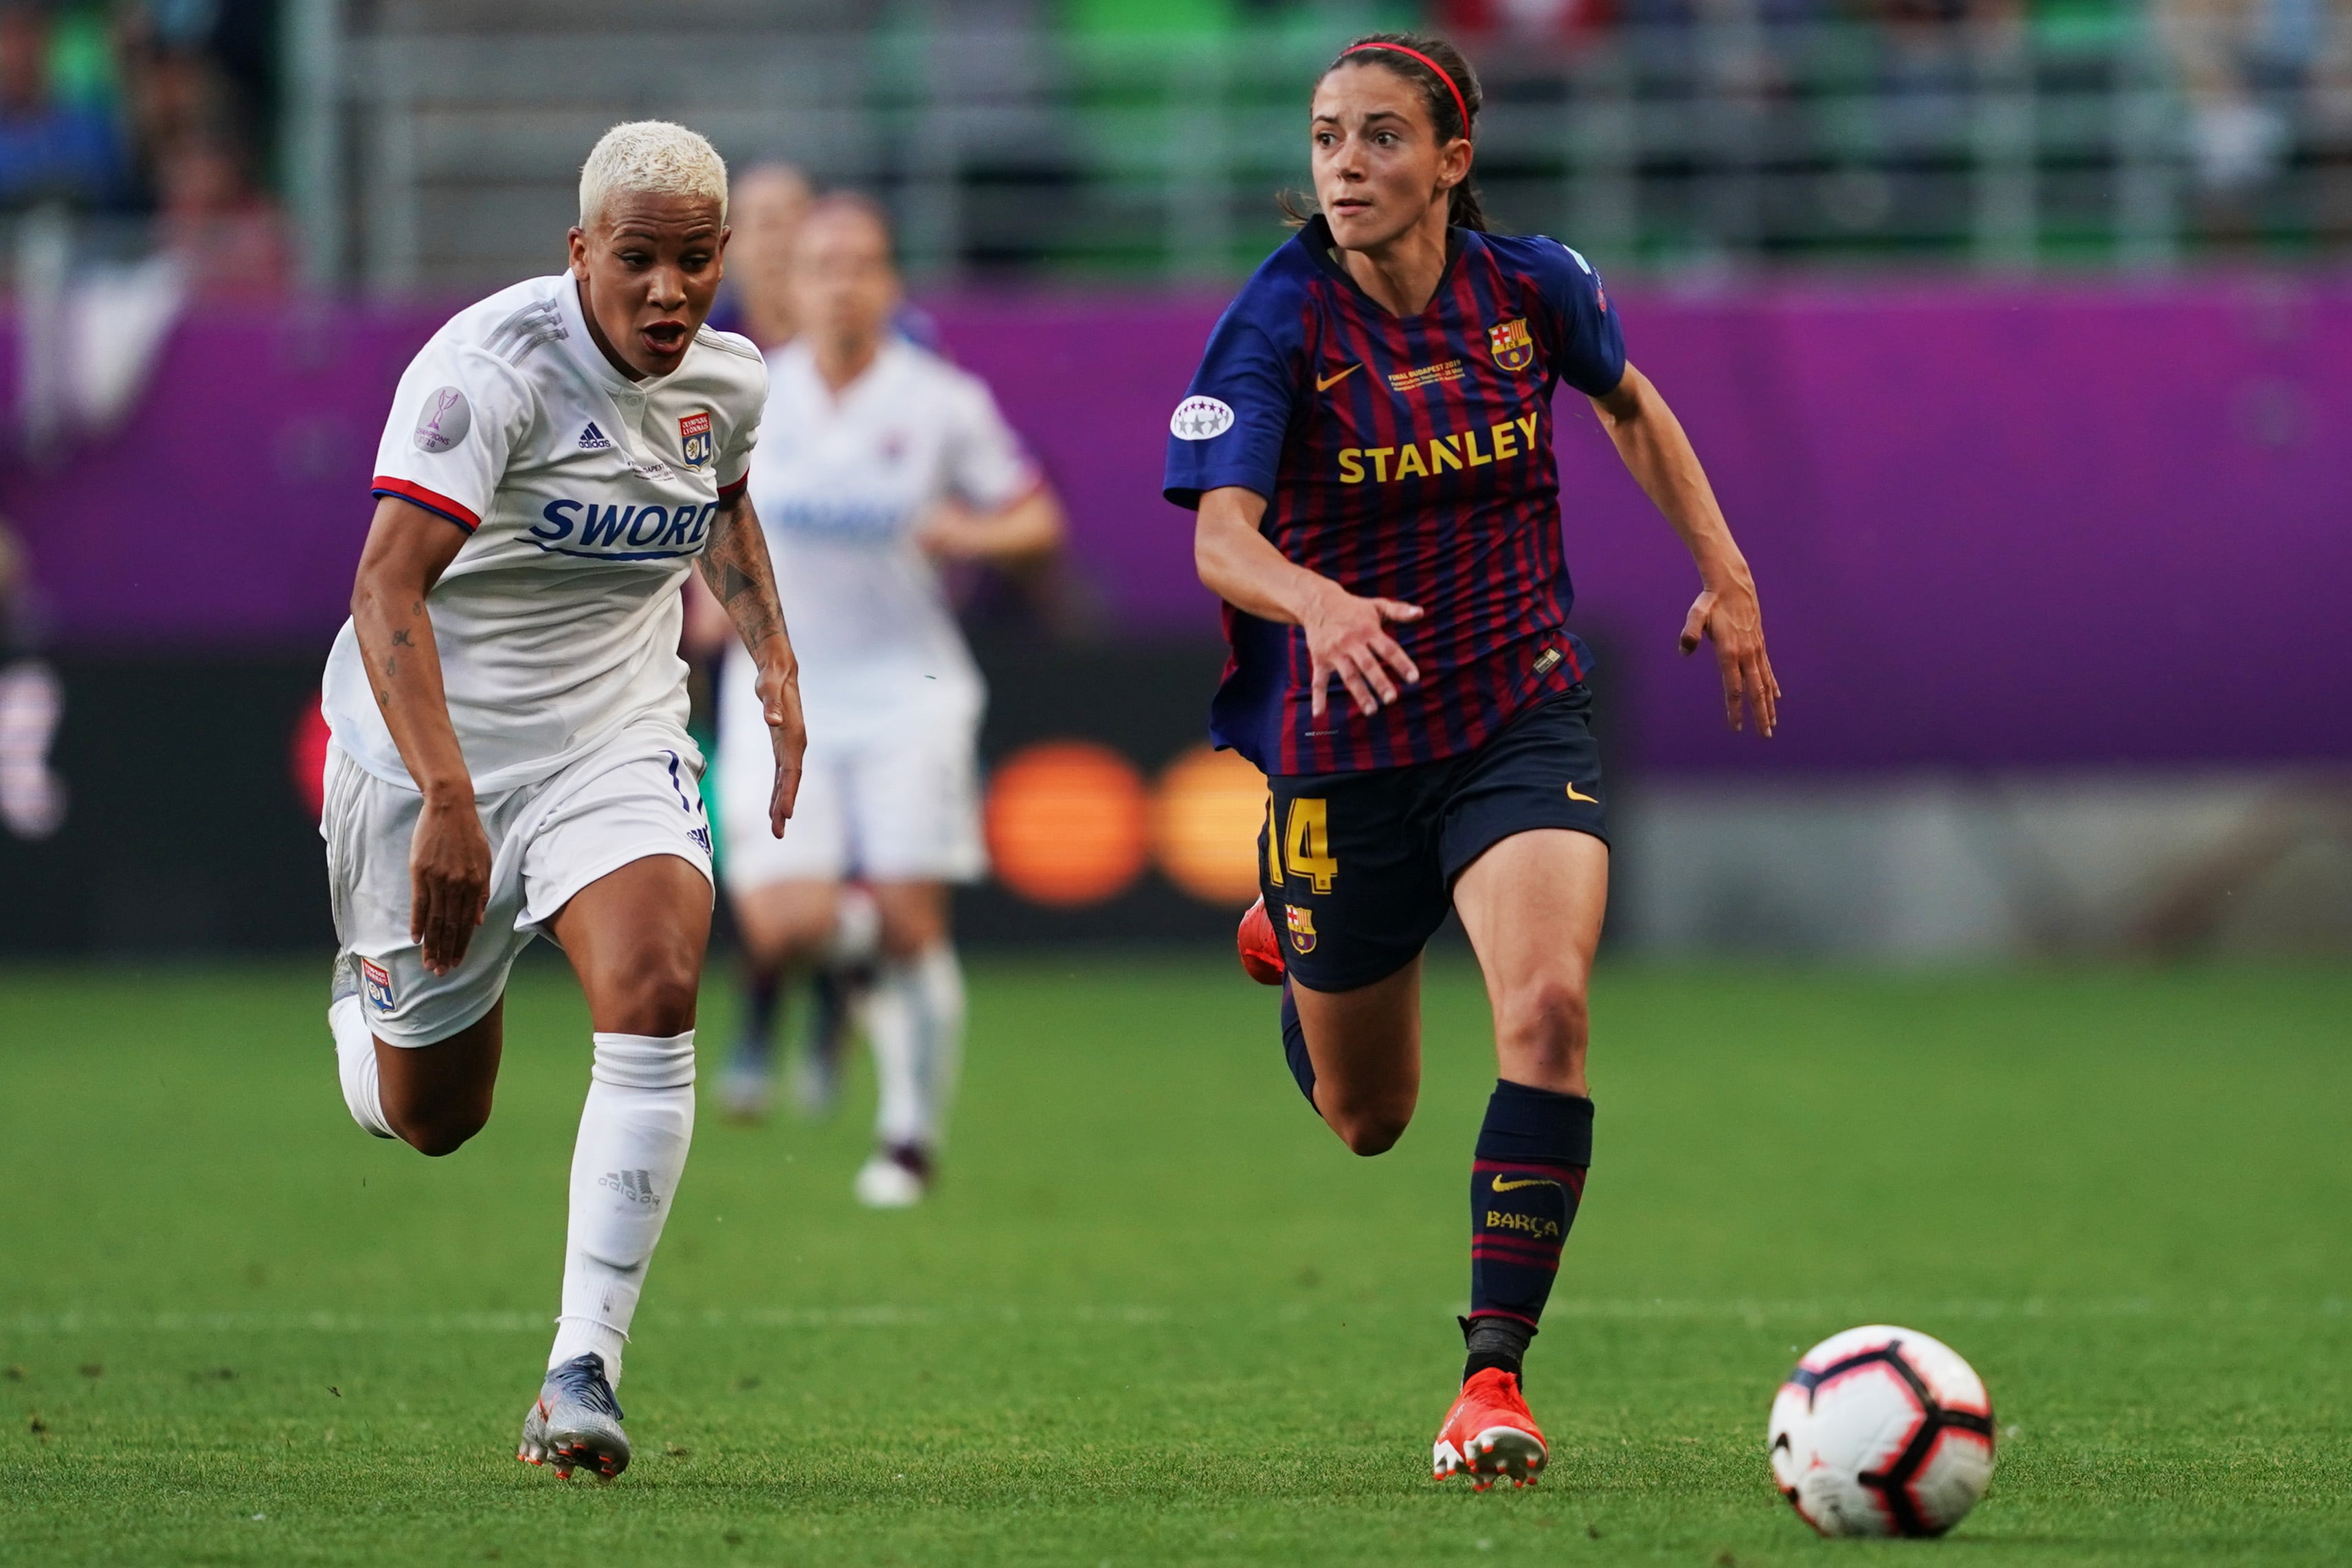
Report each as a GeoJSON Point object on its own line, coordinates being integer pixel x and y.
{"type": "Point", "coordinates": [355, 1064]}
{"type": "Point", "coordinates": [915, 1020]}
{"type": "Point", "coordinates": [634, 1134]}
{"type": "Point", "coordinates": [856, 927]}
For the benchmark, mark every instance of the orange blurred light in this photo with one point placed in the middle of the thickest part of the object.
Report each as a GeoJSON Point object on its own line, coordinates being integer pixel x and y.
{"type": "Point", "coordinates": [1066, 823]}
{"type": "Point", "coordinates": [1204, 825]}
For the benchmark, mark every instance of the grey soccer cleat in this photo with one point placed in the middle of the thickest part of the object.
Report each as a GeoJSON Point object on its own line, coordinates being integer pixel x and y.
{"type": "Point", "coordinates": [746, 1090]}
{"type": "Point", "coordinates": [576, 1422]}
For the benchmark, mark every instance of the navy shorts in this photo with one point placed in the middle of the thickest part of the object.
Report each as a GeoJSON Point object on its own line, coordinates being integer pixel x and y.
{"type": "Point", "coordinates": [1358, 869]}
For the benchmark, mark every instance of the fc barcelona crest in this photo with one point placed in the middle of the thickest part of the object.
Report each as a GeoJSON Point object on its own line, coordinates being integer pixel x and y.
{"type": "Point", "coordinates": [694, 435]}
{"type": "Point", "coordinates": [1509, 343]}
{"type": "Point", "coordinates": [1302, 927]}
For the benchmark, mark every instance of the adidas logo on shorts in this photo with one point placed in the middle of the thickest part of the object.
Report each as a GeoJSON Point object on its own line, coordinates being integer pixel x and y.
{"type": "Point", "coordinates": [592, 439]}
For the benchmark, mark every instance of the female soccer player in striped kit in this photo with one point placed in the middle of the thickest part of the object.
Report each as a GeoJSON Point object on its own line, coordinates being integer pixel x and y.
{"type": "Point", "coordinates": [1368, 442]}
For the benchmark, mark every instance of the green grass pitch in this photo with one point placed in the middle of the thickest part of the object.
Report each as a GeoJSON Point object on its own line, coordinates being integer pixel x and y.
{"type": "Point", "coordinates": [1157, 1315]}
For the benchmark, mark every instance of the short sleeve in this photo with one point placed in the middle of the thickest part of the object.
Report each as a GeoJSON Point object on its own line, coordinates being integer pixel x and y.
{"type": "Point", "coordinates": [986, 464]}
{"type": "Point", "coordinates": [1593, 340]}
{"type": "Point", "coordinates": [1229, 428]}
{"type": "Point", "coordinates": [458, 418]}
{"type": "Point", "coordinates": [733, 468]}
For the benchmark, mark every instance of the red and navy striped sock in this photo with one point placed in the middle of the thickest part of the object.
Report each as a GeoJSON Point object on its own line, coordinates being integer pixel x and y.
{"type": "Point", "coordinates": [1525, 1186]}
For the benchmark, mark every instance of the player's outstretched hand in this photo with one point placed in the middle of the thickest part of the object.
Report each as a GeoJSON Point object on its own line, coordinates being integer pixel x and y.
{"type": "Point", "coordinates": [780, 701]}
{"type": "Point", "coordinates": [1349, 637]}
{"type": "Point", "coordinates": [448, 880]}
{"type": "Point", "coordinates": [1731, 619]}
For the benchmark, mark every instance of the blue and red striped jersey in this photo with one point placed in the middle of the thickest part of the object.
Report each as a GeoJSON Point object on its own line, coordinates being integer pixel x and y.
{"type": "Point", "coordinates": [1408, 457]}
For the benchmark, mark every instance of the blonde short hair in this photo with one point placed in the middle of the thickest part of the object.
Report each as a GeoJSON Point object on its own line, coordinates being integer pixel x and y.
{"type": "Point", "coordinates": [652, 156]}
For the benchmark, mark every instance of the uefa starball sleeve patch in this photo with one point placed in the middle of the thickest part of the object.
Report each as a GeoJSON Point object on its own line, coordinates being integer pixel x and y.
{"type": "Point", "coordinates": [1201, 419]}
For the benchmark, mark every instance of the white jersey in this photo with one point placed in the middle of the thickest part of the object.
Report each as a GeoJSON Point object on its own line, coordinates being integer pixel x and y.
{"type": "Point", "coordinates": [584, 496]}
{"type": "Point", "coordinates": [841, 487]}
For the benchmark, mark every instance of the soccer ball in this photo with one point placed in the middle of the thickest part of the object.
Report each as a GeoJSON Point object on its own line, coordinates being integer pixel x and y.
{"type": "Point", "coordinates": [1882, 1431]}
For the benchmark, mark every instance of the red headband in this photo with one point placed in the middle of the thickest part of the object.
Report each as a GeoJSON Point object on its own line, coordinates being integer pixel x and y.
{"type": "Point", "coordinates": [1432, 65]}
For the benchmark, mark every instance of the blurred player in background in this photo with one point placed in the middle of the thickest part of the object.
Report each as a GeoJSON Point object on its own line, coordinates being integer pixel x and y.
{"type": "Point", "coordinates": [1369, 443]}
{"type": "Point", "coordinates": [765, 209]}
{"type": "Point", "coordinates": [882, 461]}
{"type": "Point", "coordinates": [509, 712]}
{"type": "Point", "coordinates": [766, 204]}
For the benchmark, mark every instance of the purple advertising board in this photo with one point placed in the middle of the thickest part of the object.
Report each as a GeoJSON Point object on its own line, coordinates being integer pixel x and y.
{"type": "Point", "coordinates": [2044, 525]}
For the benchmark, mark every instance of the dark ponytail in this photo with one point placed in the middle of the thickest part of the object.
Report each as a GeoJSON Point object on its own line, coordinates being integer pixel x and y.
{"type": "Point", "coordinates": [1452, 116]}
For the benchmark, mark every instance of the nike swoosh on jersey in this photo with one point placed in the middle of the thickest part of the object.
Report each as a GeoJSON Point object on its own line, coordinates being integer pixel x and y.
{"type": "Point", "coordinates": [1590, 799]}
{"type": "Point", "coordinates": [1503, 1187]}
{"type": "Point", "coordinates": [1326, 383]}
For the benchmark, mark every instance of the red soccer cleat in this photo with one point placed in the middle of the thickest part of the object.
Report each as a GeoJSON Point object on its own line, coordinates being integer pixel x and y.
{"type": "Point", "coordinates": [1488, 1434]}
{"type": "Point", "coordinates": [1261, 951]}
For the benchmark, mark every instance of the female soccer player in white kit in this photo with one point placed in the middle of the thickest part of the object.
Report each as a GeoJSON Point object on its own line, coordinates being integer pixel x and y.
{"type": "Point", "coordinates": [881, 459]}
{"type": "Point", "coordinates": [511, 756]}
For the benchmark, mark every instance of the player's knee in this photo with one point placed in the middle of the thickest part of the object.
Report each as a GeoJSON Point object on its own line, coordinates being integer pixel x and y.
{"type": "Point", "coordinates": [1545, 1009]}
{"type": "Point", "coordinates": [911, 927]}
{"type": "Point", "coordinates": [1372, 1127]}
{"type": "Point", "coordinates": [778, 945]}
{"type": "Point", "coordinates": [1374, 1134]}
{"type": "Point", "coordinates": [441, 1131]}
{"type": "Point", "coordinates": [659, 995]}
{"type": "Point", "coordinates": [1545, 1016]}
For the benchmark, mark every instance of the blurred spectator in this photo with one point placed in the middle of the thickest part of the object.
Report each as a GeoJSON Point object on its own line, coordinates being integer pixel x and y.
{"type": "Point", "coordinates": [54, 148]}
{"type": "Point", "coordinates": [227, 241]}
{"type": "Point", "coordinates": [1520, 21]}
{"type": "Point", "coordinates": [32, 797]}
{"type": "Point", "coordinates": [2243, 64]}
{"type": "Point", "coordinates": [192, 71]}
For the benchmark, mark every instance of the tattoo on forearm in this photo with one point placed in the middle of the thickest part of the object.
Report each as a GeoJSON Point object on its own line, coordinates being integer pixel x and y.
{"type": "Point", "coordinates": [735, 568]}
{"type": "Point", "coordinates": [400, 637]}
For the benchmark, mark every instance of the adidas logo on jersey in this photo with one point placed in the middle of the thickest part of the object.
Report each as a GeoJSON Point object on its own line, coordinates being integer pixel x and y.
{"type": "Point", "coordinates": [592, 439]}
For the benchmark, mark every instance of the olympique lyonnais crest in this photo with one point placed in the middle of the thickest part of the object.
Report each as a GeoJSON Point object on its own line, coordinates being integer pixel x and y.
{"type": "Point", "coordinates": [1509, 343]}
{"type": "Point", "coordinates": [1302, 927]}
{"type": "Point", "coordinates": [379, 984]}
{"type": "Point", "coordinates": [694, 435]}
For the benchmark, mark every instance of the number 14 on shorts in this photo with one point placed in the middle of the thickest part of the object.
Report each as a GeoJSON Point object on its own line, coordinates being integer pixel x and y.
{"type": "Point", "coordinates": [1300, 842]}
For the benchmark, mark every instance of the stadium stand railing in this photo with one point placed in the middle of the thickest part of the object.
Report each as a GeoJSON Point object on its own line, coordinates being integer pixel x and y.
{"type": "Point", "coordinates": [435, 163]}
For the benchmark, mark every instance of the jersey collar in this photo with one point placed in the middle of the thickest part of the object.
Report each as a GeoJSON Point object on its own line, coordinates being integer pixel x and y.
{"type": "Point", "coordinates": [797, 359]}
{"type": "Point", "coordinates": [1321, 249]}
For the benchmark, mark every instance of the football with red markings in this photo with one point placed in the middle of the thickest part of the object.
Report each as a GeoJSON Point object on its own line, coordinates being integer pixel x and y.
{"type": "Point", "coordinates": [1882, 1431]}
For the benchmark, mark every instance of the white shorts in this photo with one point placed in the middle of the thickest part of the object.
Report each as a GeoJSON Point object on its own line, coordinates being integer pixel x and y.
{"type": "Point", "coordinates": [634, 796]}
{"type": "Point", "coordinates": [900, 805]}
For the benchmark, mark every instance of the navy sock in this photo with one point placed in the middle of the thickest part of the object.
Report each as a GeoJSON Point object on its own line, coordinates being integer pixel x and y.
{"type": "Point", "coordinates": [1294, 1045]}
{"type": "Point", "coordinates": [833, 991]}
{"type": "Point", "coordinates": [1525, 1186]}
{"type": "Point", "coordinates": [755, 1041]}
